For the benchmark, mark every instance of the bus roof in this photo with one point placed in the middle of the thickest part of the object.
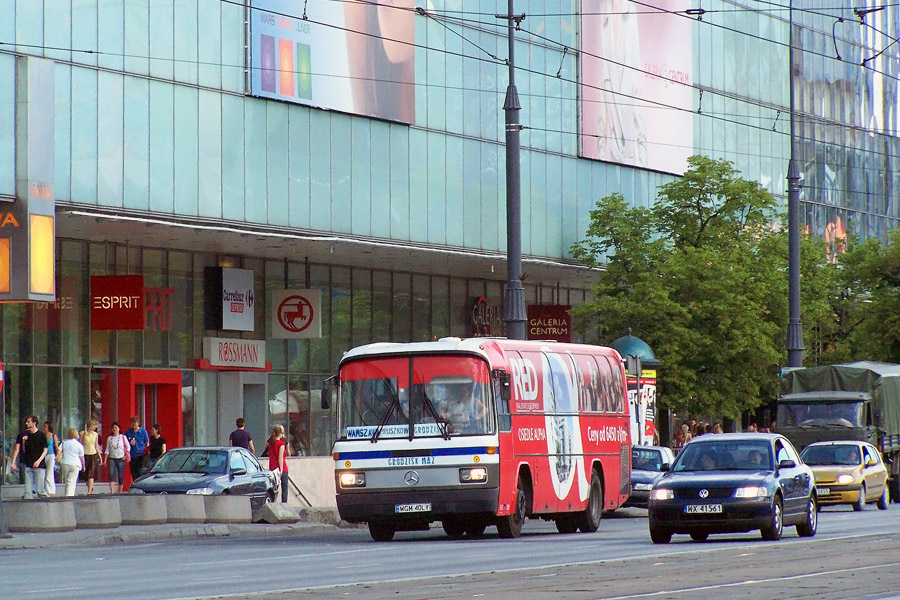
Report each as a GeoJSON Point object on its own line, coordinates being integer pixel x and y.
{"type": "Point", "coordinates": [485, 347]}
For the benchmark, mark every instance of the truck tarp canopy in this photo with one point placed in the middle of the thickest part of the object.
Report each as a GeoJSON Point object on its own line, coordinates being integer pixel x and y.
{"type": "Point", "coordinates": [881, 380]}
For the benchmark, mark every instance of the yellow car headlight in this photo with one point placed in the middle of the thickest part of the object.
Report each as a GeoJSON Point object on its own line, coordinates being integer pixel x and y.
{"type": "Point", "coordinates": [846, 479]}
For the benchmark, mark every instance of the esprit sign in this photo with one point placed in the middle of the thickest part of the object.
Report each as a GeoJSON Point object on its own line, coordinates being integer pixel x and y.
{"type": "Point", "coordinates": [117, 302]}
{"type": "Point", "coordinates": [240, 354]}
{"type": "Point", "coordinates": [549, 322]}
{"type": "Point", "coordinates": [296, 314]}
{"type": "Point", "coordinates": [238, 300]}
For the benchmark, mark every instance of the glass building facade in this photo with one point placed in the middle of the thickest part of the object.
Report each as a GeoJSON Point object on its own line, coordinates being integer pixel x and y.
{"type": "Point", "coordinates": [171, 157]}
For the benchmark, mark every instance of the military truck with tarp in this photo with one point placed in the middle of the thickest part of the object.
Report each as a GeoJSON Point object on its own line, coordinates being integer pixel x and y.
{"type": "Point", "coordinates": [847, 401]}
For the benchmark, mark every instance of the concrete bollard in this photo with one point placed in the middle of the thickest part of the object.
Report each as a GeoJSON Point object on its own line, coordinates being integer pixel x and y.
{"type": "Point", "coordinates": [227, 509]}
{"type": "Point", "coordinates": [275, 514]}
{"type": "Point", "coordinates": [139, 509]}
{"type": "Point", "coordinates": [96, 512]}
{"type": "Point", "coordinates": [185, 508]}
{"type": "Point", "coordinates": [40, 516]}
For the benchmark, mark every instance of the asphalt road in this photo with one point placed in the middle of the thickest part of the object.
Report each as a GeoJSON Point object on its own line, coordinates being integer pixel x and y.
{"type": "Point", "coordinates": [855, 555]}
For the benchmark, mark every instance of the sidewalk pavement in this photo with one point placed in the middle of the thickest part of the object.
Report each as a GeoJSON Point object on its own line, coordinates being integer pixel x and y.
{"type": "Point", "coordinates": [313, 520]}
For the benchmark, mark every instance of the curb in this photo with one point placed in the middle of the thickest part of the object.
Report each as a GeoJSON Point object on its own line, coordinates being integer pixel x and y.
{"type": "Point", "coordinates": [136, 534]}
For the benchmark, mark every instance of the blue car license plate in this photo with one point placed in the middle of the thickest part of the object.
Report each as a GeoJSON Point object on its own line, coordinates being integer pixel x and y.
{"type": "Point", "coordinates": [702, 508]}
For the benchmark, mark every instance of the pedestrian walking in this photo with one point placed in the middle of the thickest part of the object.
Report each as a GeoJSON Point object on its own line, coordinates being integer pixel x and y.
{"type": "Point", "coordinates": [241, 437]}
{"type": "Point", "coordinates": [278, 453]}
{"type": "Point", "coordinates": [117, 454]}
{"type": "Point", "coordinates": [50, 460]}
{"type": "Point", "coordinates": [34, 449]}
{"type": "Point", "coordinates": [138, 440]}
{"type": "Point", "coordinates": [157, 445]}
{"type": "Point", "coordinates": [71, 461]}
{"type": "Point", "coordinates": [93, 459]}
{"type": "Point", "coordinates": [16, 465]}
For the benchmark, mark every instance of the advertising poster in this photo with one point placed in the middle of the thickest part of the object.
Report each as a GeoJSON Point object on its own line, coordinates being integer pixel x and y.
{"type": "Point", "coordinates": [634, 64]}
{"type": "Point", "coordinates": [355, 57]}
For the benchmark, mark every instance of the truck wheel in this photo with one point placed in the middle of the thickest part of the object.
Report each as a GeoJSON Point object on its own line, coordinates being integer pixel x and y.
{"type": "Point", "coordinates": [510, 526]}
{"type": "Point", "coordinates": [589, 520]}
{"type": "Point", "coordinates": [381, 532]}
{"type": "Point", "coordinates": [860, 504]}
{"type": "Point", "coordinates": [884, 500]}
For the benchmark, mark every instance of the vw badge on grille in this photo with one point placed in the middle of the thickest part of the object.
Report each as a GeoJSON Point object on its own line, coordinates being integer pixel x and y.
{"type": "Point", "coordinates": [411, 478]}
{"type": "Point", "coordinates": [704, 493]}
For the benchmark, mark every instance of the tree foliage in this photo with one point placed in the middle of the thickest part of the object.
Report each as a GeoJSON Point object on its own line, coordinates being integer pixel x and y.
{"type": "Point", "coordinates": [701, 276]}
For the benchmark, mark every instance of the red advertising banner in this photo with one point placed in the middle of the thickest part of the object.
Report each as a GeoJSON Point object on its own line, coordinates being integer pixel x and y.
{"type": "Point", "coordinates": [549, 322]}
{"type": "Point", "coordinates": [117, 302]}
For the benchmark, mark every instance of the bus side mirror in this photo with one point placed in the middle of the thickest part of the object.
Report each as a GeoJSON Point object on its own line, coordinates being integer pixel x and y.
{"type": "Point", "coordinates": [502, 378]}
{"type": "Point", "coordinates": [327, 387]}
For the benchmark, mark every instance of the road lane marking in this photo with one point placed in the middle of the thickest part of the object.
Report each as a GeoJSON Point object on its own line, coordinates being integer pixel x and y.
{"type": "Point", "coordinates": [47, 591]}
{"type": "Point", "coordinates": [751, 582]}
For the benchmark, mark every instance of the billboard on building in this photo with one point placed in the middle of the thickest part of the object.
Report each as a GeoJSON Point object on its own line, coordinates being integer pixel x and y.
{"type": "Point", "coordinates": [355, 57]}
{"type": "Point", "coordinates": [549, 322]}
{"type": "Point", "coordinates": [636, 76]}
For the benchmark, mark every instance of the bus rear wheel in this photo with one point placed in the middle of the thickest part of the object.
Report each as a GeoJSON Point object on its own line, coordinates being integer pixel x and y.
{"type": "Point", "coordinates": [381, 532]}
{"type": "Point", "coordinates": [589, 520]}
{"type": "Point", "coordinates": [510, 526]}
{"type": "Point", "coordinates": [566, 523]}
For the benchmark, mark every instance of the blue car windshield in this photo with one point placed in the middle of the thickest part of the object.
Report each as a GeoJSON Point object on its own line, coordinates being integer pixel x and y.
{"type": "Point", "coordinates": [192, 461]}
{"type": "Point", "coordinates": [643, 459]}
{"type": "Point", "coordinates": [752, 455]}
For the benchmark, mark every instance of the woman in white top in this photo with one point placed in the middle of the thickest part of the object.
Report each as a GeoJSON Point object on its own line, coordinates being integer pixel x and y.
{"type": "Point", "coordinates": [117, 449]}
{"type": "Point", "coordinates": [71, 461]}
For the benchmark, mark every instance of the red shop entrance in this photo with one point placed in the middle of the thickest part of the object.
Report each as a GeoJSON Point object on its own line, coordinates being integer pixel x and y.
{"type": "Point", "coordinates": [154, 395]}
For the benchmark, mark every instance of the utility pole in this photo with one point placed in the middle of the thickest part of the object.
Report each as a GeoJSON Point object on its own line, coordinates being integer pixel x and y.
{"type": "Point", "coordinates": [514, 313]}
{"type": "Point", "coordinates": [795, 349]}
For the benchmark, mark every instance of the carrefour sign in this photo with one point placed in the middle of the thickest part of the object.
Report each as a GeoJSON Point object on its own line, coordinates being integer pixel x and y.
{"type": "Point", "coordinates": [238, 299]}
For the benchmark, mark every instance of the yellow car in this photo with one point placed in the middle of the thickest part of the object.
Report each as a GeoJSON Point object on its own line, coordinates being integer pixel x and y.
{"type": "Point", "coordinates": [848, 472]}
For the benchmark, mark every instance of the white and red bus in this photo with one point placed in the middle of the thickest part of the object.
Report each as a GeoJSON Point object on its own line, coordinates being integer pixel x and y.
{"type": "Point", "coordinates": [479, 432]}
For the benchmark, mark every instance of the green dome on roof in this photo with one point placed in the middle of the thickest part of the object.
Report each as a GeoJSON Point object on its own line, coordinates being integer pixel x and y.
{"type": "Point", "coordinates": [628, 345]}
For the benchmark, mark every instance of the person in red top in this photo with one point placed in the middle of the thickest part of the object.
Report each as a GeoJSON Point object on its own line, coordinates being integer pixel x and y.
{"type": "Point", "coordinates": [278, 453]}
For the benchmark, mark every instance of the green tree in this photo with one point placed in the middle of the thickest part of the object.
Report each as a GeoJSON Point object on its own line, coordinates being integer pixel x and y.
{"type": "Point", "coordinates": [701, 276]}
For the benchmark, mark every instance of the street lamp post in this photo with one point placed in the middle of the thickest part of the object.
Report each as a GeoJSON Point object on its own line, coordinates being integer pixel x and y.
{"type": "Point", "coordinates": [795, 349]}
{"type": "Point", "coordinates": [514, 301]}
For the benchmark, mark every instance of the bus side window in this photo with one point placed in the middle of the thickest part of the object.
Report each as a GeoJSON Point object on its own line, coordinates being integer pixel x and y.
{"type": "Point", "coordinates": [501, 396]}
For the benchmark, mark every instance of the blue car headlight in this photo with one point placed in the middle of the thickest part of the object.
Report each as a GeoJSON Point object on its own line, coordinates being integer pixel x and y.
{"type": "Point", "coordinates": [202, 491]}
{"type": "Point", "coordinates": [662, 494]}
{"type": "Point", "coordinates": [643, 487]}
{"type": "Point", "coordinates": [134, 490]}
{"type": "Point", "coordinates": [751, 491]}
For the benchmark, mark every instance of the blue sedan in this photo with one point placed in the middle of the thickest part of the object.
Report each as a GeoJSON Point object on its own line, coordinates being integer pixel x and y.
{"type": "Point", "coordinates": [735, 482]}
{"type": "Point", "coordinates": [207, 471]}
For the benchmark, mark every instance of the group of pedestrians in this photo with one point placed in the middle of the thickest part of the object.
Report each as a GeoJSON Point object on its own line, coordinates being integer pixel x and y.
{"type": "Point", "coordinates": [40, 451]}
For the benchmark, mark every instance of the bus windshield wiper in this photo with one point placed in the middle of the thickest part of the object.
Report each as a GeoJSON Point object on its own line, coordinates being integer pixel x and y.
{"type": "Point", "coordinates": [429, 406]}
{"type": "Point", "coordinates": [395, 403]}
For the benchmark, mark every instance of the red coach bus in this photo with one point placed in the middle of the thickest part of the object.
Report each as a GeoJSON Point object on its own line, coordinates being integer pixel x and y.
{"type": "Point", "coordinates": [480, 432]}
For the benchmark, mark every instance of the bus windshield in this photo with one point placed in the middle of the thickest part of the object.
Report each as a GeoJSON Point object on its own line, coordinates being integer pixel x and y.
{"type": "Point", "coordinates": [436, 395]}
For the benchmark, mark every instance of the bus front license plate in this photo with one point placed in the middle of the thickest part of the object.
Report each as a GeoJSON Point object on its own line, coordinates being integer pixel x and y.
{"type": "Point", "coordinates": [703, 508]}
{"type": "Point", "coordinates": [413, 508]}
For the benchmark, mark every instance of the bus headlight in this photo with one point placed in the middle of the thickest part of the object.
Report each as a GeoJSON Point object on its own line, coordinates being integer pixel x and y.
{"type": "Point", "coordinates": [351, 479]}
{"type": "Point", "coordinates": [473, 475]}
